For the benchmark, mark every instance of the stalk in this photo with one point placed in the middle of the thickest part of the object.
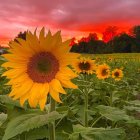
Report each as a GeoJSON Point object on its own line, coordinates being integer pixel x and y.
{"type": "Point", "coordinates": [86, 103]}
{"type": "Point", "coordinates": [86, 110]}
{"type": "Point", "coordinates": [111, 99]}
{"type": "Point", "coordinates": [52, 125]}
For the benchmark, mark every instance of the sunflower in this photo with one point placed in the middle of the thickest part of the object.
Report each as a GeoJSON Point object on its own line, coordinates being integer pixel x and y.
{"type": "Point", "coordinates": [110, 58]}
{"type": "Point", "coordinates": [117, 74]}
{"type": "Point", "coordinates": [97, 59]}
{"type": "Point", "coordinates": [103, 71]}
{"type": "Point", "coordinates": [37, 67]}
{"type": "Point", "coordinates": [84, 65]}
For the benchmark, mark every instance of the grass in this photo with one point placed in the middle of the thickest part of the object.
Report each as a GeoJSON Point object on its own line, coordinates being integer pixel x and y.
{"type": "Point", "coordinates": [135, 56]}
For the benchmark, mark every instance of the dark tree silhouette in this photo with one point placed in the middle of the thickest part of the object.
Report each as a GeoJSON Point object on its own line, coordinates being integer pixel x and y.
{"type": "Point", "coordinates": [135, 31]}
{"type": "Point", "coordinates": [21, 35]}
{"type": "Point", "coordinates": [93, 36]}
{"type": "Point", "coordinates": [122, 43]}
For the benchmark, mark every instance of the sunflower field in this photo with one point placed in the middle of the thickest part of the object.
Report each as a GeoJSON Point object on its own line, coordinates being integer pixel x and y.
{"type": "Point", "coordinates": [99, 100]}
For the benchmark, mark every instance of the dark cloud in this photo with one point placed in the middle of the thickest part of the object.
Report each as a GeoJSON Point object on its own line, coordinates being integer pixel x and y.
{"type": "Point", "coordinates": [68, 15]}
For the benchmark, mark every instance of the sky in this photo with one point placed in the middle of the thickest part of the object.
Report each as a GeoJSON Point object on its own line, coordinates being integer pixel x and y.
{"type": "Point", "coordinates": [75, 18]}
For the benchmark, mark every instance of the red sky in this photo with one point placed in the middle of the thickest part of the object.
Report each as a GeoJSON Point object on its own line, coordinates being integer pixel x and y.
{"type": "Point", "coordinates": [73, 17]}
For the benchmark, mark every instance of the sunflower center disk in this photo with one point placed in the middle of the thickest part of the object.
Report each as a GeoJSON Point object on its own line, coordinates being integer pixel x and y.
{"type": "Point", "coordinates": [116, 74]}
{"type": "Point", "coordinates": [84, 66]}
{"type": "Point", "coordinates": [42, 67]}
{"type": "Point", "coordinates": [104, 72]}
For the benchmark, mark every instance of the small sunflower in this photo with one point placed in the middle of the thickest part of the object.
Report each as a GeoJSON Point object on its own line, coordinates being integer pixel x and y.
{"type": "Point", "coordinates": [37, 67]}
{"type": "Point", "coordinates": [110, 58]}
{"type": "Point", "coordinates": [117, 74]}
{"type": "Point", "coordinates": [97, 59]}
{"type": "Point", "coordinates": [84, 65]}
{"type": "Point", "coordinates": [103, 71]}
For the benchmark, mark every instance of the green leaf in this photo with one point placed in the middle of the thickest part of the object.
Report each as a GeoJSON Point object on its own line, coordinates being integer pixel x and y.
{"type": "Point", "coordinates": [112, 113]}
{"type": "Point", "coordinates": [62, 136]}
{"type": "Point", "coordinates": [105, 134]}
{"type": "Point", "coordinates": [82, 83]}
{"type": "Point", "coordinates": [3, 118]}
{"type": "Point", "coordinates": [132, 108]}
{"type": "Point", "coordinates": [8, 101]}
{"type": "Point", "coordinates": [63, 109]}
{"type": "Point", "coordinates": [2, 59]}
{"type": "Point", "coordinates": [135, 122]}
{"type": "Point", "coordinates": [38, 133]}
{"type": "Point", "coordinates": [135, 102]}
{"type": "Point", "coordinates": [64, 126]}
{"type": "Point", "coordinates": [89, 133]}
{"type": "Point", "coordinates": [27, 122]}
{"type": "Point", "coordinates": [80, 113]}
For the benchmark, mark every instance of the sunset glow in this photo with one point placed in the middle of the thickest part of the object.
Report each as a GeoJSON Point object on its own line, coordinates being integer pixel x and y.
{"type": "Point", "coordinates": [75, 18]}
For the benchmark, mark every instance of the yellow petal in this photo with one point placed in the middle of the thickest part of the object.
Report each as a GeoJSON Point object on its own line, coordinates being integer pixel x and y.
{"type": "Point", "coordinates": [66, 83]}
{"type": "Point", "coordinates": [12, 57]}
{"type": "Point", "coordinates": [12, 93]}
{"type": "Point", "coordinates": [14, 44]}
{"type": "Point", "coordinates": [33, 102]}
{"type": "Point", "coordinates": [55, 95]}
{"type": "Point", "coordinates": [57, 38]}
{"type": "Point", "coordinates": [63, 49]}
{"type": "Point", "coordinates": [43, 90]}
{"type": "Point", "coordinates": [55, 41]}
{"type": "Point", "coordinates": [66, 72]}
{"type": "Point", "coordinates": [56, 86]}
{"type": "Point", "coordinates": [42, 34]}
{"type": "Point", "coordinates": [68, 59]}
{"type": "Point", "coordinates": [23, 89]}
{"type": "Point", "coordinates": [23, 99]}
{"type": "Point", "coordinates": [21, 78]}
{"type": "Point", "coordinates": [13, 65]}
{"type": "Point", "coordinates": [20, 52]}
{"type": "Point", "coordinates": [42, 103]}
{"type": "Point", "coordinates": [13, 73]}
{"type": "Point", "coordinates": [21, 41]}
{"type": "Point", "coordinates": [33, 42]}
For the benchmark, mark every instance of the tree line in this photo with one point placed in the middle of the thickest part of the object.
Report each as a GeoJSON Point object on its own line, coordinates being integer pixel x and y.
{"type": "Point", "coordinates": [112, 42]}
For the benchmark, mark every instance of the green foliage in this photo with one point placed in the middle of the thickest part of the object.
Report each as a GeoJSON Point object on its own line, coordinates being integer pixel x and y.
{"type": "Point", "coordinates": [4, 99]}
{"type": "Point", "coordinates": [3, 118]}
{"type": "Point", "coordinates": [112, 113]}
{"type": "Point", "coordinates": [26, 122]}
{"type": "Point", "coordinates": [83, 133]}
{"type": "Point", "coordinates": [38, 133]}
{"type": "Point", "coordinates": [113, 107]}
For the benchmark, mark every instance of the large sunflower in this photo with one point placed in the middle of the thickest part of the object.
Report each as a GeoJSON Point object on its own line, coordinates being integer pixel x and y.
{"type": "Point", "coordinates": [103, 71]}
{"type": "Point", "coordinates": [38, 67]}
{"type": "Point", "coordinates": [117, 74]}
{"type": "Point", "coordinates": [84, 65]}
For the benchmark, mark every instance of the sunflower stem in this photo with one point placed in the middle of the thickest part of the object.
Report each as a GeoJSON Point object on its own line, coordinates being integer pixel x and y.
{"type": "Point", "coordinates": [86, 102]}
{"type": "Point", "coordinates": [52, 124]}
{"type": "Point", "coordinates": [86, 110]}
{"type": "Point", "coordinates": [111, 99]}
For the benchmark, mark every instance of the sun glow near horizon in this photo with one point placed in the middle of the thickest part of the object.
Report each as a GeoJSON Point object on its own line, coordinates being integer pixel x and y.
{"type": "Point", "coordinates": [4, 41]}
{"type": "Point", "coordinates": [73, 19]}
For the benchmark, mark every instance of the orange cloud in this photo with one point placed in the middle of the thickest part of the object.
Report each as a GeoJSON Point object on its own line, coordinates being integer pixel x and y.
{"type": "Point", "coordinates": [74, 17]}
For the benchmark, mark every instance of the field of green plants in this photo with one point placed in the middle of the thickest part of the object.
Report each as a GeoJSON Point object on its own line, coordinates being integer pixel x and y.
{"type": "Point", "coordinates": [97, 110]}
